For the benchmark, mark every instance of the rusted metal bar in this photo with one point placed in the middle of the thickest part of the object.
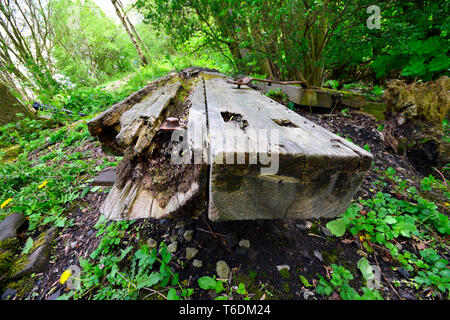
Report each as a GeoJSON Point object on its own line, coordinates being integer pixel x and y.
{"type": "Point", "coordinates": [248, 80]}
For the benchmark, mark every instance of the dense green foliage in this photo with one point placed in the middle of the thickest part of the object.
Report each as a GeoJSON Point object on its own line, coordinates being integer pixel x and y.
{"type": "Point", "coordinates": [384, 219]}
{"type": "Point", "coordinates": [305, 40]}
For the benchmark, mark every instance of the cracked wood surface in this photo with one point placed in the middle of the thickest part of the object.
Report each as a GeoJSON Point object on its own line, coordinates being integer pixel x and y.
{"type": "Point", "coordinates": [317, 172]}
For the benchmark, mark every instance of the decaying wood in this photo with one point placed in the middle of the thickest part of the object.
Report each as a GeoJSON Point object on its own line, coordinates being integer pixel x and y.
{"type": "Point", "coordinates": [317, 172]}
{"type": "Point", "coordinates": [148, 184]}
{"type": "Point", "coordinates": [106, 125]}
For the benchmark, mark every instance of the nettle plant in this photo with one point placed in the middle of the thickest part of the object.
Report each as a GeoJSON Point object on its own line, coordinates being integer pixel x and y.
{"type": "Point", "coordinates": [138, 274]}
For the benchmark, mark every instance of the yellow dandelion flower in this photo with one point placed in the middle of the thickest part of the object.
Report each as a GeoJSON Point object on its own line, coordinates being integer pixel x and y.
{"type": "Point", "coordinates": [43, 184]}
{"type": "Point", "coordinates": [447, 204]}
{"type": "Point", "coordinates": [4, 204]}
{"type": "Point", "coordinates": [65, 276]}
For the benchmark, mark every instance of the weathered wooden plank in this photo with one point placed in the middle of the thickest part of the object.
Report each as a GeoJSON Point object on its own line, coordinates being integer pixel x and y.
{"type": "Point", "coordinates": [149, 184]}
{"type": "Point", "coordinates": [259, 159]}
{"type": "Point", "coordinates": [106, 125]}
{"type": "Point", "coordinates": [317, 172]}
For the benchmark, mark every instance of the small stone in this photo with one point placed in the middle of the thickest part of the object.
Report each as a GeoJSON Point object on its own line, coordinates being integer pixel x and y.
{"type": "Point", "coordinates": [191, 253]}
{"type": "Point", "coordinates": [308, 224]}
{"type": "Point", "coordinates": [152, 243]}
{"type": "Point", "coordinates": [222, 269]}
{"type": "Point", "coordinates": [244, 243]}
{"type": "Point", "coordinates": [408, 296]}
{"type": "Point", "coordinates": [73, 244]}
{"type": "Point", "coordinates": [163, 222]}
{"type": "Point", "coordinates": [404, 273]}
{"type": "Point", "coordinates": [326, 231]}
{"type": "Point", "coordinates": [318, 255]}
{"type": "Point", "coordinates": [197, 263]}
{"type": "Point", "coordinates": [38, 259]}
{"type": "Point", "coordinates": [180, 224]}
{"type": "Point", "coordinates": [188, 235]}
{"type": "Point", "coordinates": [10, 225]}
{"type": "Point", "coordinates": [9, 294]}
{"type": "Point", "coordinates": [301, 227]}
{"type": "Point", "coordinates": [306, 254]}
{"type": "Point", "coordinates": [173, 247]}
{"type": "Point", "coordinates": [173, 237]}
{"type": "Point", "coordinates": [55, 295]}
{"type": "Point", "coordinates": [283, 266]}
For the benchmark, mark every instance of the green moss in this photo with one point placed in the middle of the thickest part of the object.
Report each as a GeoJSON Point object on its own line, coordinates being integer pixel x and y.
{"type": "Point", "coordinates": [286, 287]}
{"type": "Point", "coordinates": [10, 154]}
{"type": "Point", "coordinates": [284, 273]}
{"type": "Point", "coordinates": [315, 228]}
{"type": "Point", "coordinates": [22, 286]}
{"type": "Point", "coordinates": [252, 274]}
{"type": "Point", "coordinates": [10, 244]}
{"type": "Point", "coordinates": [6, 261]}
{"type": "Point", "coordinates": [331, 257]}
{"type": "Point", "coordinates": [19, 264]}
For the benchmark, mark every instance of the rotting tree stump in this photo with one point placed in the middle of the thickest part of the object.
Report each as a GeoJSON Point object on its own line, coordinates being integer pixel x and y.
{"type": "Point", "coordinates": [236, 153]}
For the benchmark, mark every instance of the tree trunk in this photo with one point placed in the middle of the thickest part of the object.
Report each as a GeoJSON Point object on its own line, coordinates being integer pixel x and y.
{"type": "Point", "coordinates": [10, 106]}
{"type": "Point", "coordinates": [130, 34]}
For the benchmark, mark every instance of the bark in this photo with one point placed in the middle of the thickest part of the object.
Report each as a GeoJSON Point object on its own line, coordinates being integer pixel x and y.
{"type": "Point", "coordinates": [130, 34]}
{"type": "Point", "coordinates": [10, 106]}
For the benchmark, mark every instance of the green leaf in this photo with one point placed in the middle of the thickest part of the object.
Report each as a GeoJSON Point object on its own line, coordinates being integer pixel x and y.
{"type": "Point", "coordinates": [241, 289]}
{"type": "Point", "coordinates": [305, 281]}
{"type": "Point", "coordinates": [150, 281]}
{"type": "Point", "coordinates": [172, 294]}
{"type": "Point", "coordinates": [390, 219]}
{"type": "Point", "coordinates": [337, 227]}
{"type": "Point", "coordinates": [207, 283]}
{"type": "Point", "coordinates": [28, 246]}
{"type": "Point", "coordinates": [219, 286]}
{"type": "Point", "coordinates": [365, 268]}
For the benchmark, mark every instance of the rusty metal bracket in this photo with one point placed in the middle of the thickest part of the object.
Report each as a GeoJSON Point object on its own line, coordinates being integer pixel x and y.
{"type": "Point", "coordinates": [171, 124]}
{"type": "Point", "coordinates": [248, 80]}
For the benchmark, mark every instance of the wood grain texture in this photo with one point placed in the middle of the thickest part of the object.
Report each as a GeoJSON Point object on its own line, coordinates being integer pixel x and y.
{"type": "Point", "coordinates": [318, 173]}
